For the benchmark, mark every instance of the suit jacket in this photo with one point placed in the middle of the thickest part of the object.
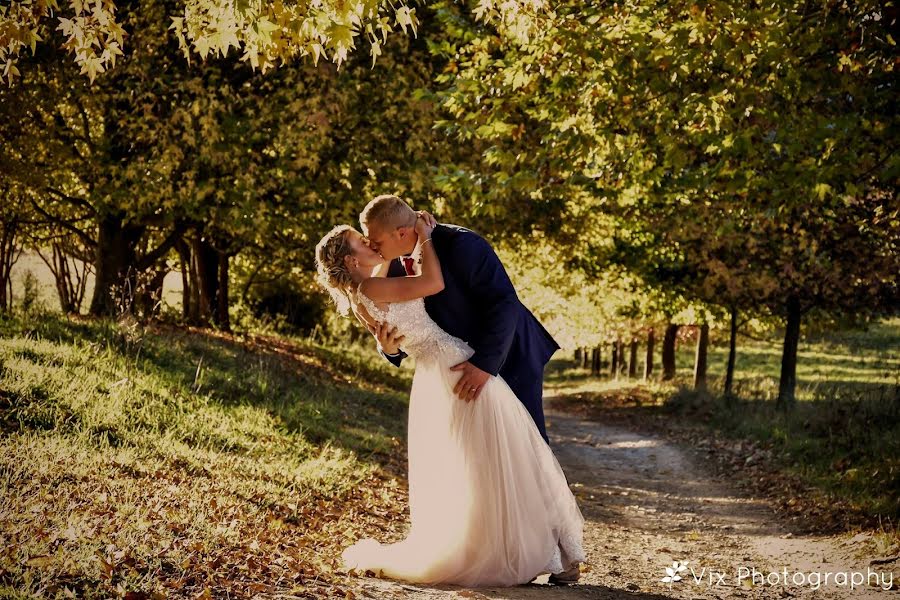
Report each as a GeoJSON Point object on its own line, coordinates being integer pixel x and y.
{"type": "Point", "coordinates": [479, 305]}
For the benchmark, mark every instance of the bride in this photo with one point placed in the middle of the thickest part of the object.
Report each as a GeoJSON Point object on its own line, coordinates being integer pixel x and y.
{"type": "Point", "coordinates": [489, 503]}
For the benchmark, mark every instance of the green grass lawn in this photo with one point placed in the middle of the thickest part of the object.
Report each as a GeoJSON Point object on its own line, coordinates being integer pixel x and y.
{"type": "Point", "coordinates": [842, 440]}
{"type": "Point", "coordinates": [178, 462]}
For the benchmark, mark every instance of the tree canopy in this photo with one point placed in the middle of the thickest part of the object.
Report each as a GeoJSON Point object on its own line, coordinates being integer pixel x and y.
{"type": "Point", "coordinates": [265, 34]}
{"type": "Point", "coordinates": [692, 158]}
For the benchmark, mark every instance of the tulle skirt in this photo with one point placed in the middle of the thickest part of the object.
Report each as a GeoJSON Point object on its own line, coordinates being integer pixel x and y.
{"type": "Point", "coordinates": [489, 503]}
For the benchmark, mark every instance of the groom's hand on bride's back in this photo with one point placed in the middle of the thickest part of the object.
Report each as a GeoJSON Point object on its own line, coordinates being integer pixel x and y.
{"type": "Point", "coordinates": [388, 338]}
{"type": "Point", "coordinates": [470, 382]}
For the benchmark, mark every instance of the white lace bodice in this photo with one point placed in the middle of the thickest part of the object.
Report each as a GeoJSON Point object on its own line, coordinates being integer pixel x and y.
{"type": "Point", "coordinates": [424, 339]}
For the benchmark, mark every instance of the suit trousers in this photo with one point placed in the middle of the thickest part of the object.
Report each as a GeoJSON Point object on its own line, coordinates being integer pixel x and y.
{"type": "Point", "coordinates": [530, 392]}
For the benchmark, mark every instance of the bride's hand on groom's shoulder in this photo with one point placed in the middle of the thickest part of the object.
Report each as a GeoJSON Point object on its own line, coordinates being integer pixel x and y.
{"type": "Point", "coordinates": [425, 224]}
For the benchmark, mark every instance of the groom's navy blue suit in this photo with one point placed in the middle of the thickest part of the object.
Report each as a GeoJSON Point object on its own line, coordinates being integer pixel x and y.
{"type": "Point", "coordinates": [479, 305]}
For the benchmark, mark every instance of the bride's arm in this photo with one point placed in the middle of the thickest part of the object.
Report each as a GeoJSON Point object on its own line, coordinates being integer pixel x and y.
{"type": "Point", "coordinates": [382, 269]}
{"type": "Point", "coordinates": [401, 289]}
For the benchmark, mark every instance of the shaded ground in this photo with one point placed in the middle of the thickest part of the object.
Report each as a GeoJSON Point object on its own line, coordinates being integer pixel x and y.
{"type": "Point", "coordinates": [648, 503]}
{"type": "Point", "coordinates": [150, 462]}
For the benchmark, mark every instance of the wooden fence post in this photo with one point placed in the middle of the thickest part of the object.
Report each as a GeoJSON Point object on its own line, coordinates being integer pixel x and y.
{"type": "Point", "coordinates": [632, 358]}
{"type": "Point", "coordinates": [614, 362]}
{"type": "Point", "coordinates": [700, 360]}
{"type": "Point", "coordinates": [668, 352]}
{"type": "Point", "coordinates": [648, 360]}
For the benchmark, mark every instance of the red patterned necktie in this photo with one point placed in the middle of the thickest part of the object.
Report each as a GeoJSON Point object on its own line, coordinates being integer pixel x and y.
{"type": "Point", "coordinates": [408, 265]}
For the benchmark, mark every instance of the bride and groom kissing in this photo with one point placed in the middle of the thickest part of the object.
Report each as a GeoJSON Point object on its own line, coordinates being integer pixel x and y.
{"type": "Point", "coordinates": [489, 503]}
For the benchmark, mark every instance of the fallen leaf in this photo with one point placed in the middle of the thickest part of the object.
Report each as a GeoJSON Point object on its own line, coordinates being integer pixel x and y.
{"type": "Point", "coordinates": [39, 561]}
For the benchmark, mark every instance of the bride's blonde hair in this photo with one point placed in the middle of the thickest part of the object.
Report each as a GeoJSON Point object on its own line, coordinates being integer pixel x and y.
{"type": "Point", "coordinates": [333, 274]}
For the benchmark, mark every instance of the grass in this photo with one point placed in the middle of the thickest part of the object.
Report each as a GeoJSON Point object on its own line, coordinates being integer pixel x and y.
{"type": "Point", "coordinates": [178, 463]}
{"type": "Point", "coordinates": [171, 462]}
{"type": "Point", "coordinates": [845, 446]}
{"type": "Point", "coordinates": [841, 443]}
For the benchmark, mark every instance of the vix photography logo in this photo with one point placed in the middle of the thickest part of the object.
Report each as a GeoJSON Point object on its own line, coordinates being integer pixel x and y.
{"type": "Point", "coordinates": [750, 577]}
{"type": "Point", "coordinates": [674, 572]}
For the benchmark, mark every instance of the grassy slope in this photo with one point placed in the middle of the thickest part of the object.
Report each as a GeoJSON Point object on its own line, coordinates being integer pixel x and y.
{"type": "Point", "coordinates": [179, 461]}
{"type": "Point", "coordinates": [841, 443]}
{"type": "Point", "coordinates": [123, 469]}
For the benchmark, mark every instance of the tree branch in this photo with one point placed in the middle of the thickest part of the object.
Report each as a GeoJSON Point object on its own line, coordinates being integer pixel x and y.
{"type": "Point", "coordinates": [877, 166]}
{"type": "Point", "coordinates": [78, 201]}
{"type": "Point", "coordinates": [167, 244]}
{"type": "Point", "coordinates": [85, 122]}
{"type": "Point", "coordinates": [90, 242]}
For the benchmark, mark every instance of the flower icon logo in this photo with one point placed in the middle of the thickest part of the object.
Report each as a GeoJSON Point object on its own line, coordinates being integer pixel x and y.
{"type": "Point", "coordinates": [673, 572]}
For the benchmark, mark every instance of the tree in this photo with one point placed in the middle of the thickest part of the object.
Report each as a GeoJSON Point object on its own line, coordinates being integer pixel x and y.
{"type": "Point", "coordinates": [69, 262]}
{"type": "Point", "coordinates": [266, 33]}
{"type": "Point", "coordinates": [10, 238]}
{"type": "Point", "coordinates": [218, 162]}
{"type": "Point", "coordinates": [82, 153]}
{"type": "Point", "coordinates": [745, 152]}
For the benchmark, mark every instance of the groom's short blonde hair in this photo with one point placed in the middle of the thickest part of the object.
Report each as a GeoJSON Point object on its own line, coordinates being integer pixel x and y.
{"type": "Point", "coordinates": [388, 212]}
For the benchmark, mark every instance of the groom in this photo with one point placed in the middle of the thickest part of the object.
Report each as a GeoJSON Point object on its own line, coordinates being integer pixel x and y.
{"type": "Point", "coordinates": [478, 304]}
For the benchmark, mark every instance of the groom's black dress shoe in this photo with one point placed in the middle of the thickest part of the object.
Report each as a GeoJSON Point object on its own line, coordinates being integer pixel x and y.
{"type": "Point", "coordinates": [566, 577]}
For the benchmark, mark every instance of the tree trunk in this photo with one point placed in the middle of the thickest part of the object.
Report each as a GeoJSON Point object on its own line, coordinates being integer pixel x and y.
{"type": "Point", "coordinates": [61, 273]}
{"type": "Point", "coordinates": [194, 271]}
{"type": "Point", "coordinates": [632, 359]}
{"type": "Point", "coordinates": [700, 359]}
{"type": "Point", "coordinates": [9, 253]}
{"type": "Point", "coordinates": [70, 282]}
{"type": "Point", "coordinates": [585, 361]}
{"type": "Point", "coordinates": [595, 361]}
{"type": "Point", "coordinates": [209, 284]}
{"type": "Point", "coordinates": [206, 282]}
{"type": "Point", "coordinates": [221, 314]}
{"type": "Point", "coordinates": [115, 278]}
{"type": "Point", "coordinates": [184, 257]}
{"type": "Point", "coordinates": [732, 352]}
{"type": "Point", "coordinates": [788, 382]}
{"type": "Point", "coordinates": [668, 352]}
{"type": "Point", "coordinates": [648, 360]}
{"type": "Point", "coordinates": [578, 356]}
{"type": "Point", "coordinates": [614, 362]}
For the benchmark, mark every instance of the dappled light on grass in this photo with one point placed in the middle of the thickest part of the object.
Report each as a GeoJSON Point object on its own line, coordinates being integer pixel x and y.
{"type": "Point", "coordinates": [92, 520]}
{"type": "Point", "coordinates": [120, 476]}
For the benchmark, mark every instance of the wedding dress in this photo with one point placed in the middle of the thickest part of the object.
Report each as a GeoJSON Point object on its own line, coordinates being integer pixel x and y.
{"type": "Point", "coordinates": [489, 503]}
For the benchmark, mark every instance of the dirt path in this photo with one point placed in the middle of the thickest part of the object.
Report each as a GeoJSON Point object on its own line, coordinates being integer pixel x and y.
{"type": "Point", "coordinates": [648, 503]}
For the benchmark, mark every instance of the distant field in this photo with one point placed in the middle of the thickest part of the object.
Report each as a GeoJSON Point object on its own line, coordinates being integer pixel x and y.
{"type": "Point", "coordinates": [849, 361]}
{"type": "Point", "coordinates": [32, 262]}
